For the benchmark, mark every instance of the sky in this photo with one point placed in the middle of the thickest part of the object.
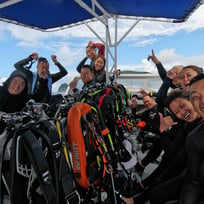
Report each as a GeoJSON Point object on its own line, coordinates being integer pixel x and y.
{"type": "Point", "coordinates": [180, 43]}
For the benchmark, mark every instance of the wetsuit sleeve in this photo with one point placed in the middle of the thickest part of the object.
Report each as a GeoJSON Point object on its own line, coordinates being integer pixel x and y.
{"type": "Point", "coordinates": [21, 65]}
{"type": "Point", "coordinates": [162, 94]}
{"type": "Point", "coordinates": [162, 73]}
{"type": "Point", "coordinates": [62, 72]}
{"type": "Point", "coordinates": [161, 70]}
{"type": "Point", "coordinates": [41, 93]}
{"type": "Point", "coordinates": [194, 177]}
{"type": "Point", "coordinates": [81, 64]}
{"type": "Point", "coordinates": [101, 48]}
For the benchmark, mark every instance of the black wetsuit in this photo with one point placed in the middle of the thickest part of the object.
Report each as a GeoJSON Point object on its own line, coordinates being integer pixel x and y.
{"type": "Point", "coordinates": [41, 91]}
{"type": "Point", "coordinates": [12, 103]}
{"type": "Point", "coordinates": [170, 183]}
{"type": "Point", "coordinates": [100, 77]}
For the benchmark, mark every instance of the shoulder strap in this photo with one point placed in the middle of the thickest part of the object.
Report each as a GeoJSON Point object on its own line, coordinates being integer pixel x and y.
{"type": "Point", "coordinates": [40, 165]}
{"type": "Point", "coordinates": [66, 178]}
{"type": "Point", "coordinates": [4, 141]}
{"type": "Point", "coordinates": [35, 76]}
{"type": "Point", "coordinates": [108, 90]}
{"type": "Point", "coordinates": [49, 78]}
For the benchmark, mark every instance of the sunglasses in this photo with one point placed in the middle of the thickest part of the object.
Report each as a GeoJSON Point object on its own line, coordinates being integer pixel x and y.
{"type": "Point", "coordinates": [42, 59]}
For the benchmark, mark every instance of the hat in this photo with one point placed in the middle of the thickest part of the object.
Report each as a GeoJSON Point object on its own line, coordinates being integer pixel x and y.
{"type": "Point", "coordinates": [16, 73]}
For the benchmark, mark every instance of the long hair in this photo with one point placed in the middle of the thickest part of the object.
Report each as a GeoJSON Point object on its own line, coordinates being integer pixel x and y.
{"type": "Point", "coordinates": [104, 60]}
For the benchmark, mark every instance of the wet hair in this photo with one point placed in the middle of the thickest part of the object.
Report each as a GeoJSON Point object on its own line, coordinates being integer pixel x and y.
{"type": "Point", "coordinates": [42, 59]}
{"type": "Point", "coordinates": [196, 78]}
{"type": "Point", "coordinates": [197, 69]}
{"type": "Point", "coordinates": [88, 67]}
{"type": "Point", "coordinates": [176, 93]}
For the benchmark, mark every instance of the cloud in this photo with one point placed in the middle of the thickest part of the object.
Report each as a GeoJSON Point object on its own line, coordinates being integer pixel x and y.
{"type": "Point", "coordinates": [196, 20]}
{"type": "Point", "coordinates": [147, 28]}
{"type": "Point", "coordinates": [168, 58]}
{"type": "Point", "coordinates": [31, 37]}
{"type": "Point", "coordinates": [2, 80]}
{"type": "Point", "coordinates": [145, 33]}
{"type": "Point", "coordinates": [67, 55]}
{"type": "Point", "coordinates": [67, 79]}
{"type": "Point", "coordinates": [69, 44]}
{"type": "Point", "coordinates": [166, 55]}
{"type": "Point", "coordinates": [25, 34]}
{"type": "Point", "coordinates": [143, 42]}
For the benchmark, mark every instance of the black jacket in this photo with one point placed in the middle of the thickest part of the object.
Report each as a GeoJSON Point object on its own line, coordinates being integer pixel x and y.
{"type": "Point", "coordinates": [195, 170]}
{"type": "Point", "coordinates": [41, 91]}
{"type": "Point", "coordinates": [152, 119]}
{"type": "Point", "coordinates": [100, 77]}
{"type": "Point", "coordinates": [13, 103]}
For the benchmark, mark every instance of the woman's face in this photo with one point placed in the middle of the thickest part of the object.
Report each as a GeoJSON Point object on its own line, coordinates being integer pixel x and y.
{"type": "Point", "coordinates": [16, 85]}
{"type": "Point", "coordinates": [186, 76]}
{"type": "Point", "coordinates": [183, 109]}
{"type": "Point", "coordinates": [99, 64]}
{"type": "Point", "coordinates": [176, 81]}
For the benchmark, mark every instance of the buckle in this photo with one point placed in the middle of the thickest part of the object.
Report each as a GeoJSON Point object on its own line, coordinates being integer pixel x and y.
{"type": "Point", "coordinates": [73, 198]}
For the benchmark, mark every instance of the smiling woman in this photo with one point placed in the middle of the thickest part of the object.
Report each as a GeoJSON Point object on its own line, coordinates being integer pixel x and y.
{"type": "Point", "coordinates": [13, 93]}
{"type": "Point", "coordinates": [16, 86]}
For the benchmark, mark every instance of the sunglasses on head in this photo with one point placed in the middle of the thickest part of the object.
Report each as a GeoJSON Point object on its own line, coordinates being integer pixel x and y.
{"type": "Point", "coordinates": [42, 59]}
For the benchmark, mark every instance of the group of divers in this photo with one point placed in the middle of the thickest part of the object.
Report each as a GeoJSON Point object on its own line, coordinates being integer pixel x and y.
{"type": "Point", "coordinates": [170, 126]}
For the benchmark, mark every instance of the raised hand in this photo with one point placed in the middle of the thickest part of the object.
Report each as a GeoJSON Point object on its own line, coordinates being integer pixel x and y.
{"type": "Point", "coordinates": [153, 58]}
{"type": "Point", "coordinates": [34, 55]}
{"type": "Point", "coordinates": [143, 92]}
{"type": "Point", "coordinates": [165, 122]}
{"type": "Point", "coordinates": [90, 44]}
{"type": "Point", "coordinates": [133, 102]}
{"type": "Point", "coordinates": [54, 58]}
